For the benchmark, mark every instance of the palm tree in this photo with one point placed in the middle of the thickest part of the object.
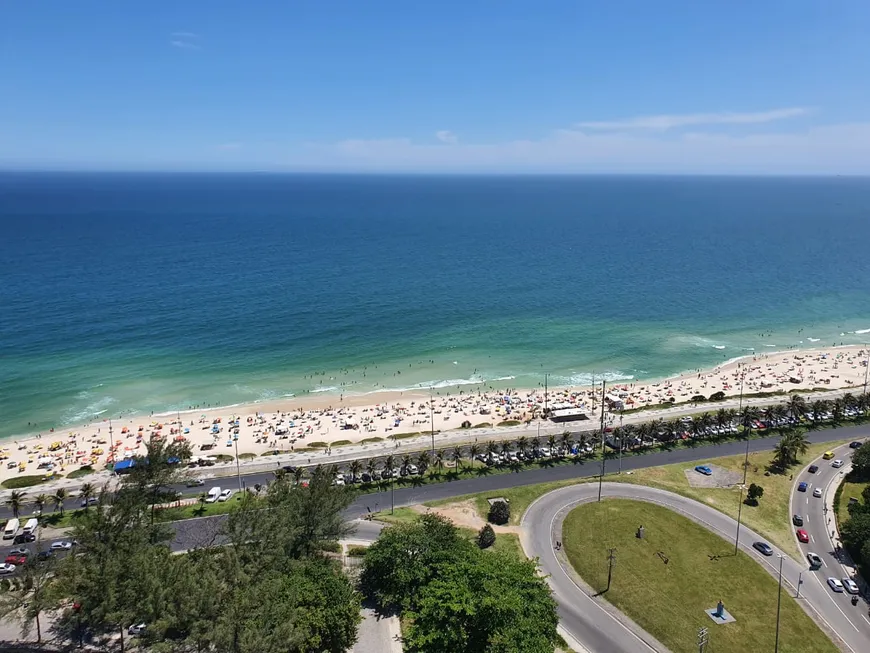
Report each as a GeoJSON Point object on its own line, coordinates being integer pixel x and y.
{"type": "Point", "coordinates": [523, 445]}
{"type": "Point", "coordinates": [456, 456]}
{"type": "Point", "coordinates": [769, 416]}
{"type": "Point", "coordinates": [423, 461]}
{"type": "Point", "coordinates": [837, 409]}
{"type": "Point", "coordinates": [355, 468]}
{"type": "Point", "coordinates": [721, 418]}
{"type": "Point", "coordinates": [58, 498]}
{"type": "Point", "coordinates": [536, 443]}
{"type": "Point", "coordinates": [819, 408]}
{"type": "Point", "coordinates": [491, 448]}
{"type": "Point", "coordinates": [474, 452]}
{"type": "Point", "coordinates": [85, 494]}
{"type": "Point", "coordinates": [371, 467]}
{"type": "Point", "coordinates": [849, 400]}
{"type": "Point", "coordinates": [551, 443]}
{"type": "Point", "coordinates": [388, 464]}
{"type": "Point", "coordinates": [750, 414]}
{"type": "Point", "coordinates": [566, 441]}
{"type": "Point", "coordinates": [505, 447]}
{"type": "Point", "coordinates": [797, 406]}
{"type": "Point", "coordinates": [202, 499]}
{"type": "Point", "coordinates": [440, 455]}
{"type": "Point", "coordinates": [789, 448]}
{"type": "Point", "coordinates": [16, 502]}
{"type": "Point", "coordinates": [39, 503]}
{"type": "Point", "coordinates": [298, 474]}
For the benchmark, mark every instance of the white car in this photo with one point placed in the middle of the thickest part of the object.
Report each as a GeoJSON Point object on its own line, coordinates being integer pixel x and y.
{"type": "Point", "coordinates": [817, 493]}
{"type": "Point", "coordinates": [835, 584]}
{"type": "Point", "coordinates": [851, 586]}
{"type": "Point", "coordinates": [6, 568]}
{"type": "Point", "coordinates": [225, 495]}
{"type": "Point", "coordinates": [837, 463]}
{"type": "Point", "coordinates": [62, 545]}
{"type": "Point", "coordinates": [136, 629]}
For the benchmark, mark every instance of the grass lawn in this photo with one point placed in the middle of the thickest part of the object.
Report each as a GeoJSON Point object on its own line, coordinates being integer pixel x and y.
{"type": "Point", "coordinates": [848, 489]}
{"type": "Point", "coordinates": [668, 600]}
{"type": "Point", "coordinates": [18, 482]}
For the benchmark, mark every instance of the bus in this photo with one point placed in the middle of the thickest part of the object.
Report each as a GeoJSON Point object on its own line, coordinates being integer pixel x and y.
{"type": "Point", "coordinates": [11, 529]}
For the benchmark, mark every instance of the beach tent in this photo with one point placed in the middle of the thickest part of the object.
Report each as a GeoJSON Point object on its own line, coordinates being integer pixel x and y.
{"type": "Point", "coordinates": [124, 466]}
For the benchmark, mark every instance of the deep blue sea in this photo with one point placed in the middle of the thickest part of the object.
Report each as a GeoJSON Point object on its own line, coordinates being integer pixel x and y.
{"type": "Point", "coordinates": [126, 293]}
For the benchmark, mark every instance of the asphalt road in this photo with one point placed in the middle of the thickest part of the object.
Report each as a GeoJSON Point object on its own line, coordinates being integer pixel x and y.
{"type": "Point", "coordinates": [854, 626]}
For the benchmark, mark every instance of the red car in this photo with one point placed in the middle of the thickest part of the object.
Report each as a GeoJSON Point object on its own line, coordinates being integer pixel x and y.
{"type": "Point", "coordinates": [802, 535]}
{"type": "Point", "coordinates": [15, 560]}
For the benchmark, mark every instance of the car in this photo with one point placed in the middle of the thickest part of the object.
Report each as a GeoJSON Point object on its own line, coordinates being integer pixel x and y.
{"type": "Point", "coordinates": [22, 538]}
{"type": "Point", "coordinates": [225, 495]}
{"type": "Point", "coordinates": [837, 463]}
{"type": "Point", "coordinates": [802, 535]}
{"type": "Point", "coordinates": [855, 445]}
{"type": "Point", "coordinates": [828, 455]}
{"type": "Point", "coordinates": [802, 486]}
{"type": "Point", "coordinates": [61, 545]}
{"type": "Point", "coordinates": [835, 584]}
{"type": "Point", "coordinates": [851, 586]}
{"type": "Point", "coordinates": [91, 501]}
{"type": "Point", "coordinates": [20, 551]}
{"type": "Point", "coordinates": [704, 469]}
{"type": "Point", "coordinates": [814, 560]}
{"type": "Point", "coordinates": [813, 469]}
{"type": "Point", "coordinates": [15, 560]}
{"type": "Point", "coordinates": [817, 493]}
{"type": "Point", "coordinates": [45, 555]}
{"type": "Point", "coordinates": [195, 482]}
{"type": "Point", "coordinates": [6, 568]}
{"type": "Point", "coordinates": [763, 547]}
{"type": "Point", "coordinates": [136, 629]}
{"type": "Point", "coordinates": [797, 520]}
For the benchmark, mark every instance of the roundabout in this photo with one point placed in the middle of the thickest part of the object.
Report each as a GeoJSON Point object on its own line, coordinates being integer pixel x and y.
{"type": "Point", "coordinates": [598, 627]}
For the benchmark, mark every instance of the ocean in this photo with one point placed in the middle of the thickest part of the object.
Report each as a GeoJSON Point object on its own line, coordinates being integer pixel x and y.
{"type": "Point", "coordinates": [132, 293]}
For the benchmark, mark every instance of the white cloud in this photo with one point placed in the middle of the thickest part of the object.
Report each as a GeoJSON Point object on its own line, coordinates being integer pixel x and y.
{"type": "Point", "coordinates": [665, 122]}
{"type": "Point", "coordinates": [446, 136]}
{"type": "Point", "coordinates": [826, 149]}
{"type": "Point", "coordinates": [185, 40]}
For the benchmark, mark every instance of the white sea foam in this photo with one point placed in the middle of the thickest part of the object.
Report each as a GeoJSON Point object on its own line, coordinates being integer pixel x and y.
{"type": "Point", "coordinates": [862, 331]}
{"type": "Point", "coordinates": [587, 378]}
{"type": "Point", "coordinates": [813, 339]}
{"type": "Point", "coordinates": [329, 388]}
{"type": "Point", "coordinates": [718, 346]}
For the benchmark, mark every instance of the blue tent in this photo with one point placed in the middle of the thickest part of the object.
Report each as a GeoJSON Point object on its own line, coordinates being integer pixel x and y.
{"type": "Point", "coordinates": [124, 466]}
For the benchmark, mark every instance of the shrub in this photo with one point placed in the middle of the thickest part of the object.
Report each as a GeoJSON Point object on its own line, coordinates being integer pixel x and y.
{"type": "Point", "coordinates": [486, 537]}
{"type": "Point", "coordinates": [357, 550]}
{"type": "Point", "coordinates": [499, 513]}
{"type": "Point", "coordinates": [717, 396]}
{"type": "Point", "coordinates": [24, 481]}
{"type": "Point", "coordinates": [698, 398]}
{"type": "Point", "coordinates": [329, 545]}
{"type": "Point", "coordinates": [754, 494]}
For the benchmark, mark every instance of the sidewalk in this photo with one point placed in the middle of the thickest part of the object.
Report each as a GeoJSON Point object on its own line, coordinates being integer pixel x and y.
{"type": "Point", "coordinates": [845, 560]}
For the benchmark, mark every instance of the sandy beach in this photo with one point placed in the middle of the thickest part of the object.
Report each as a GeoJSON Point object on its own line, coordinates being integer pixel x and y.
{"type": "Point", "coordinates": [296, 424]}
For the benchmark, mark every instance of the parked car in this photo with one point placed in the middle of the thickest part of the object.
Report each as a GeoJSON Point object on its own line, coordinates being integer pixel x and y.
{"type": "Point", "coordinates": [412, 469]}
{"type": "Point", "coordinates": [91, 501]}
{"type": "Point", "coordinates": [817, 493]}
{"type": "Point", "coordinates": [22, 538]}
{"type": "Point", "coordinates": [15, 560]}
{"type": "Point", "coordinates": [802, 535]}
{"type": "Point", "coordinates": [136, 629]}
{"type": "Point", "coordinates": [797, 520]}
{"type": "Point", "coordinates": [6, 568]}
{"type": "Point", "coordinates": [20, 551]}
{"type": "Point", "coordinates": [225, 495]}
{"type": "Point", "coordinates": [835, 584]}
{"type": "Point", "coordinates": [704, 469]}
{"type": "Point", "coordinates": [813, 469]}
{"type": "Point", "coordinates": [45, 555]}
{"type": "Point", "coordinates": [61, 545]}
{"type": "Point", "coordinates": [855, 445]}
{"type": "Point", "coordinates": [763, 547]}
{"type": "Point", "coordinates": [802, 487]}
{"type": "Point", "coordinates": [851, 586]}
{"type": "Point", "coordinates": [814, 560]}
{"type": "Point", "coordinates": [837, 463]}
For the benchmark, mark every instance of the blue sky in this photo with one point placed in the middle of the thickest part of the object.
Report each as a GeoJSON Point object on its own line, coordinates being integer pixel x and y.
{"type": "Point", "coordinates": [552, 86]}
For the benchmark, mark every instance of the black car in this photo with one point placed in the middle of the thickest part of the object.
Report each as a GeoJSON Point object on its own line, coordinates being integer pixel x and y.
{"type": "Point", "coordinates": [23, 538]}
{"type": "Point", "coordinates": [855, 445]}
{"type": "Point", "coordinates": [44, 555]}
{"type": "Point", "coordinates": [813, 469]}
{"type": "Point", "coordinates": [763, 547]}
{"type": "Point", "coordinates": [797, 520]}
{"type": "Point", "coordinates": [289, 469]}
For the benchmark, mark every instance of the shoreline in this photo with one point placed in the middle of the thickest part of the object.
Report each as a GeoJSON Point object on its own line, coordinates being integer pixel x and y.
{"type": "Point", "coordinates": [297, 424]}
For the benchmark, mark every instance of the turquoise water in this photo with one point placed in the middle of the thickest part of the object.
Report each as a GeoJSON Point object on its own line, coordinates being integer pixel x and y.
{"type": "Point", "coordinates": [128, 293]}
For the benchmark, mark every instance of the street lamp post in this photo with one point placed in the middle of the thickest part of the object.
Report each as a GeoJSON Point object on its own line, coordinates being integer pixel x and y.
{"type": "Point", "coordinates": [432, 418]}
{"type": "Point", "coordinates": [866, 369]}
{"type": "Point", "coordinates": [739, 513]}
{"type": "Point", "coordinates": [778, 605]}
{"type": "Point", "coordinates": [238, 467]}
{"type": "Point", "coordinates": [800, 582]}
{"type": "Point", "coordinates": [603, 450]}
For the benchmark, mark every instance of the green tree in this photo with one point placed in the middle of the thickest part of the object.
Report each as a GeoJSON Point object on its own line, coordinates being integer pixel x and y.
{"type": "Point", "coordinates": [58, 498]}
{"type": "Point", "coordinates": [405, 558]}
{"type": "Point", "coordinates": [31, 597]}
{"type": "Point", "coordinates": [499, 513]}
{"type": "Point", "coordinates": [39, 503]}
{"type": "Point", "coordinates": [754, 494]}
{"type": "Point", "coordinates": [156, 471]}
{"type": "Point", "coordinates": [355, 468]}
{"type": "Point", "coordinates": [791, 446]}
{"type": "Point", "coordinates": [486, 537]}
{"type": "Point", "coordinates": [861, 460]}
{"type": "Point", "coordinates": [16, 501]}
{"type": "Point", "coordinates": [856, 532]}
{"type": "Point", "coordinates": [486, 602]}
{"type": "Point", "coordinates": [86, 492]}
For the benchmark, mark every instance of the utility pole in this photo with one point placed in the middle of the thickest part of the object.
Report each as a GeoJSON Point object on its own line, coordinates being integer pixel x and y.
{"type": "Point", "coordinates": [546, 404]}
{"type": "Point", "coordinates": [800, 582]}
{"type": "Point", "coordinates": [432, 416]}
{"type": "Point", "coordinates": [621, 435]}
{"type": "Point", "coordinates": [866, 369]}
{"type": "Point", "coordinates": [703, 638]}
{"type": "Point", "coordinates": [612, 561]}
{"type": "Point", "coordinates": [238, 467]}
{"type": "Point", "coordinates": [603, 450]}
{"type": "Point", "coordinates": [778, 605]}
{"type": "Point", "coordinates": [739, 513]}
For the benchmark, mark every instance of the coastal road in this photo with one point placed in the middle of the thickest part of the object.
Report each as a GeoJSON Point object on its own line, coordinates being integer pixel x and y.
{"type": "Point", "coordinates": [527, 476]}
{"type": "Point", "coordinates": [602, 629]}
{"type": "Point", "coordinates": [820, 525]}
